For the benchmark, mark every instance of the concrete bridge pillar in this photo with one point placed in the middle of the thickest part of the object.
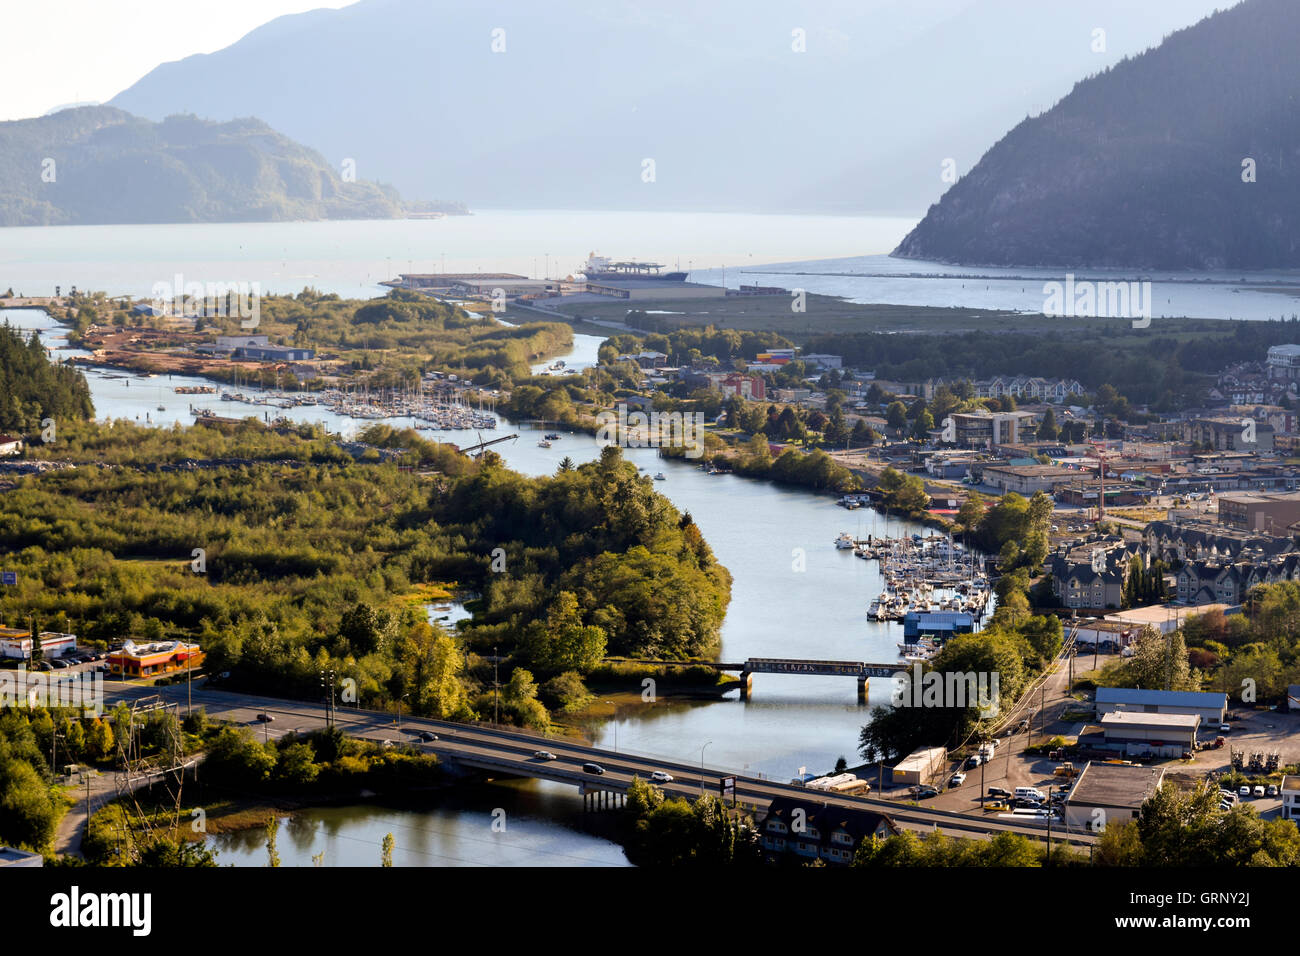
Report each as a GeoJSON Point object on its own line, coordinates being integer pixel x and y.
{"type": "Point", "coordinates": [862, 691]}
{"type": "Point", "coordinates": [746, 684]}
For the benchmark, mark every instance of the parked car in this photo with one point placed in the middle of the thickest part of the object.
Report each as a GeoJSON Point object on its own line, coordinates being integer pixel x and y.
{"type": "Point", "coordinates": [1224, 728]}
{"type": "Point", "coordinates": [545, 755]}
{"type": "Point", "coordinates": [1228, 795]}
{"type": "Point", "coordinates": [925, 792]}
{"type": "Point", "coordinates": [1225, 805]}
{"type": "Point", "coordinates": [974, 760]}
{"type": "Point", "coordinates": [1243, 791]}
{"type": "Point", "coordinates": [1259, 790]}
{"type": "Point", "coordinates": [993, 805]}
{"type": "Point", "coordinates": [592, 768]}
{"type": "Point", "coordinates": [1272, 790]}
{"type": "Point", "coordinates": [957, 779]}
{"type": "Point", "coordinates": [659, 776]}
{"type": "Point", "coordinates": [999, 792]}
{"type": "Point", "coordinates": [265, 718]}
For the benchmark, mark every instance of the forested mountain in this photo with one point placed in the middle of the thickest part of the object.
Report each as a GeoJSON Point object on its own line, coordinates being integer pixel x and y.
{"type": "Point", "coordinates": [1148, 164]}
{"type": "Point", "coordinates": [32, 388]}
{"type": "Point", "coordinates": [99, 164]}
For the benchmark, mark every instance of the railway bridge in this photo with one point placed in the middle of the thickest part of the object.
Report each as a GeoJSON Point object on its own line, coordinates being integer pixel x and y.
{"type": "Point", "coordinates": [862, 671]}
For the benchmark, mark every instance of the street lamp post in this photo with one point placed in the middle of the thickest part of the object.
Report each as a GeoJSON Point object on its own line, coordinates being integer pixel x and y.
{"type": "Point", "coordinates": [702, 768]}
{"type": "Point", "coordinates": [399, 711]}
{"type": "Point", "coordinates": [615, 724]}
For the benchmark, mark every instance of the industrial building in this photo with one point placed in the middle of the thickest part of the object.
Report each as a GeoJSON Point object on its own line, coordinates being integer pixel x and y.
{"type": "Point", "coordinates": [489, 286]}
{"type": "Point", "coordinates": [940, 624]}
{"type": "Point", "coordinates": [1271, 514]}
{"type": "Point", "coordinates": [920, 766]}
{"type": "Point", "coordinates": [654, 289]}
{"type": "Point", "coordinates": [1139, 734]}
{"type": "Point", "coordinates": [1028, 480]}
{"type": "Point", "coordinates": [1107, 793]}
{"type": "Point", "coordinates": [11, 856]}
{"type": "Point", "coordinates": [1210, 707]}
{"type": "Point", "coordinates": [1164, 618]}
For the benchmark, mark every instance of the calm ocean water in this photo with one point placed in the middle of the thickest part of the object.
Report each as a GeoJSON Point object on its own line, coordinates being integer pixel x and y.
{"type": "Point", "coordinates": [350, 258]}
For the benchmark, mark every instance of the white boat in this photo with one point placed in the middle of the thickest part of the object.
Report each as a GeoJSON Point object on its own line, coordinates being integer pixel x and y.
{"type": "Point", "coordinates": [543, 444]}
{"type": "Point", "coordinates": [845, 541]}
{"type": "Point", "coordinates": [659, 476]}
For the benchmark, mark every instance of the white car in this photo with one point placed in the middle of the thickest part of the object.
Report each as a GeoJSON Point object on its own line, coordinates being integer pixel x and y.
{"type": "Point", "coordinates": [660, 776]}
{"type": "Point", "coordinates": [1243, 791]}
{"type": "Point", "coordinates": [1259, 790]}
{"type": "Point", "coordinates": [957, 779]}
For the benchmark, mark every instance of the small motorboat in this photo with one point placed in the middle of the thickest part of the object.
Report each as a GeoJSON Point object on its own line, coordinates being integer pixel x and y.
{"type": "Point", "coordinates": [659, 476]}
{"type": "Point", "coordinates": [543, 444]}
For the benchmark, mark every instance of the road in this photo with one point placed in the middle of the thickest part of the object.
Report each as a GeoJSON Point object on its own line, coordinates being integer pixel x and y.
{"type": "Point", "coordinates": [510, 751]}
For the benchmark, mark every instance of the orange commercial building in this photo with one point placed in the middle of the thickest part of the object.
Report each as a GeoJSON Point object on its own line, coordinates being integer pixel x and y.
{"type": "Point", "coordinates": [149, 660]}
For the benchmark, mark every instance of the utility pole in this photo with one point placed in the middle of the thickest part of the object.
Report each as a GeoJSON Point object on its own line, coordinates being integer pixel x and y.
{"type": "Point", "coordinates": [1048, 861]}
{"type": "Point", "coordinates": [496, 688]}
{"type": "Point", "coordinates": [983, 739]}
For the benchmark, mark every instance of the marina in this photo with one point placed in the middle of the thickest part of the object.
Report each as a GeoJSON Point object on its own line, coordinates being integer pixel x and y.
{"type": "Point", "coordinates": [922, 575]}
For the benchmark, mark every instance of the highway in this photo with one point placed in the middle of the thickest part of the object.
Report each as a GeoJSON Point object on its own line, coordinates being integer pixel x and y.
{"type": "Point", "coordinates": [509, 751]}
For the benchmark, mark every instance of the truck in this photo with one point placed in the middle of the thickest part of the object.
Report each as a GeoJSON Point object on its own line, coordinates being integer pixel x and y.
{"type": "Point", "coordinates": [1065, 770]}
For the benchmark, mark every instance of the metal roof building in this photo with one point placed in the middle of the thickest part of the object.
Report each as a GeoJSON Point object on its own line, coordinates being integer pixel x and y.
{"type": "Point", "coordinates": [1210, 707]}
{"type": "Point", "coordinates": [1165, 735]}
{"type": "Point", "coordinates": [1108, 793]}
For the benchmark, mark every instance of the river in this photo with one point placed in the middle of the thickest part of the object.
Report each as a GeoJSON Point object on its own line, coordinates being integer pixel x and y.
{"type": "Point", "coordinates": [794, 594]}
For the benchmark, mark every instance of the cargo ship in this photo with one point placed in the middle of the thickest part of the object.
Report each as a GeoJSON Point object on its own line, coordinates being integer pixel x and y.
{"type": "Point", "coordinates": [602, 267]}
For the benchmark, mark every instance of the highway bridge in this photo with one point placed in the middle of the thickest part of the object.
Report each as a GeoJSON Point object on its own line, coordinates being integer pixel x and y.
{"type": "Point", "coordinates": [860, 670]}
{"type": "Point", "coordinates": [472, 449]}
{"type": "Point", "coordinates": [512, 752]}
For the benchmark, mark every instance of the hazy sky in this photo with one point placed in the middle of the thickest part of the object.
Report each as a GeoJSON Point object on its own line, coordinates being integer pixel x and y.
{"type": "Point", "coordinates": [68, 51]}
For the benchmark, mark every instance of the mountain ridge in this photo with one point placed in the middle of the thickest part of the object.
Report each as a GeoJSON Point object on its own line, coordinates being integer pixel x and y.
{"type": "Point", "coordinates": [1144, 164]}
{"type": "Point", "coordinates": [53, 171]}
